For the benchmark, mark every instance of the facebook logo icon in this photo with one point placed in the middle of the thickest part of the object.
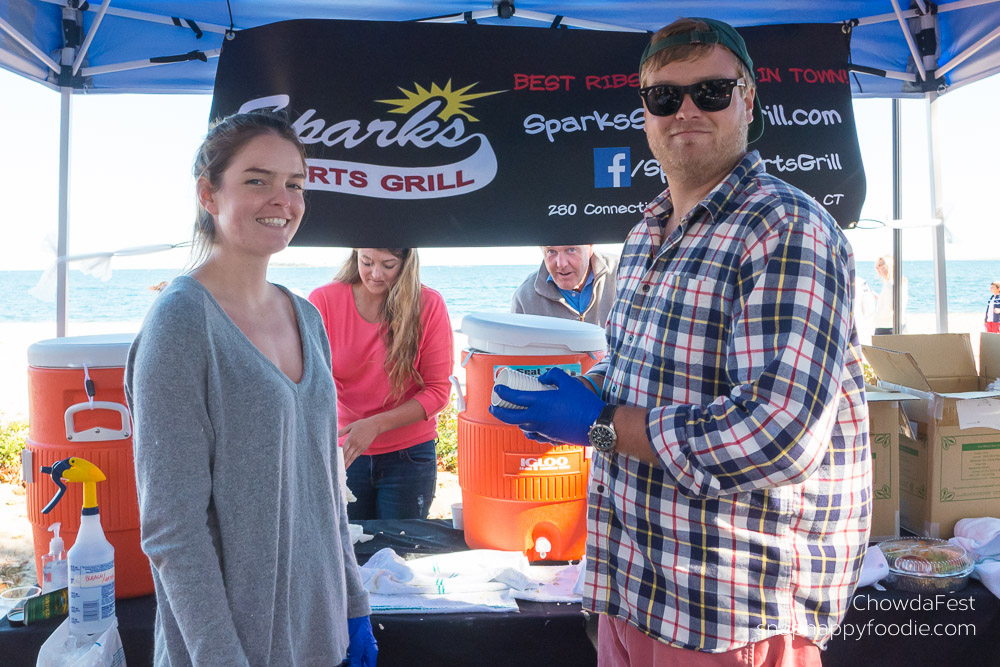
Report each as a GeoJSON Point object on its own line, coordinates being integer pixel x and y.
{"type": "Point", "coordinates": [612, 168]}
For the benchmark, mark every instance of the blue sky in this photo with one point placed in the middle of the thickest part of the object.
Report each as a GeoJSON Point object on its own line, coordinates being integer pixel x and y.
{"type": "Point", "coordinates": [131, 182]}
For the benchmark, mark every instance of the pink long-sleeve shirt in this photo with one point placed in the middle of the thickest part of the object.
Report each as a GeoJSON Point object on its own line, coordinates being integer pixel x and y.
{"type": "Point", "coordinates": [358, 356]}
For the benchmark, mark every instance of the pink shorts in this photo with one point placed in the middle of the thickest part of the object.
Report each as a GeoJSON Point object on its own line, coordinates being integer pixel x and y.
{"type": "Point", "coordinates": [622, 645]}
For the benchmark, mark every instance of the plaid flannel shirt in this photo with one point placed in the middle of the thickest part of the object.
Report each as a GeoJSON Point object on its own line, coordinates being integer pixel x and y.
{"type": "Point", "coordinates": [737, 334]}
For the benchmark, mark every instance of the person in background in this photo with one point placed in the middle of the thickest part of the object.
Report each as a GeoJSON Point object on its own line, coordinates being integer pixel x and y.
{"type": "Point", "coordinates": [730, 499]}
{"type": "Point", "coordinates": [573, 282]}
{"type": "Point", "coordinates": [865, 302]}
{"type": "Point", "coordinates": [235, 422]}
{"type": "Point", "coordinates": [883, 307]}
{"type": "Point", "coordinates": [993, 308]}
{"type": "Point", "coordinates": [392, 354]}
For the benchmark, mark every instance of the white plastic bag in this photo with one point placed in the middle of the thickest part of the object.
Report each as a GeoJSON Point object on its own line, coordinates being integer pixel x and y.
{"type": "Point", "coordinates": [62, 649]}
{"type": "Point", "coordinates": [874, 568]}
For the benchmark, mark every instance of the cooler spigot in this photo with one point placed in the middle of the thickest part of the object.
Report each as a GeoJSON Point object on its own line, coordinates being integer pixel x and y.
{"type": "Point", "coordinates": [543, 547]}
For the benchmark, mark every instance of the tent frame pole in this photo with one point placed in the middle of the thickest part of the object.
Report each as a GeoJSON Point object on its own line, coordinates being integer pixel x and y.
{"type": "Point", "coordinates": [30, 68]}
{"type": "Point", "coordinates": [62, 248]}
{"type": "Point", "coordinates": [909, 41]}
{"type": "Point", "coordinates": [135, 64]}
{"type": "Point", "coordinates": [915, 13]}
{"type": "Point", "coordinates": [936, 195]}
{"type": "Point", "coordinates": [529, 15]}
{"type": "Point", "coordinates": [67, 58]}
{"type": "Point", "coordinates": [968, 53]}
{"type": "Point", "coordinates": [29, 46]}
{"type": "Point", "coordinates": [148, 17]}
{"type": "Point", "coordinates": [94, 27]}
{"type": "Point", "coordinates": [897, 214]}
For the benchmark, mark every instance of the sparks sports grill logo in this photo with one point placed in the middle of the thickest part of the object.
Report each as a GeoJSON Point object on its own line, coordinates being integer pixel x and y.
{"type": "Point", "coordinates": [434, 118]}
{"type": "Point", "coordinates": [612, 168]}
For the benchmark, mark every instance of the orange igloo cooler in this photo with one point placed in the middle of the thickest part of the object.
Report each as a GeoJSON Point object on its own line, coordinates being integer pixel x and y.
{"type": "Point", "coordinates": [518, 494]}
{"type": "Point", "coordinates": [69, 416]}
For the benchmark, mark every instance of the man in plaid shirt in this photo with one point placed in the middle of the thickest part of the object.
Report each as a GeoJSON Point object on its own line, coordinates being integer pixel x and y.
{"type": "Point", "coordinates": [730, 500]}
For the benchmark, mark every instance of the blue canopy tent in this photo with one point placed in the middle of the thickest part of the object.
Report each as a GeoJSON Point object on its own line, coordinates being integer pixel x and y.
{"type": "Point", "coordinates": [171, 46]}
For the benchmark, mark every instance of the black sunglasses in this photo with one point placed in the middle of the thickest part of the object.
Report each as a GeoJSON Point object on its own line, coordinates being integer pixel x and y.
{"type": "Point", "coordinates": [708, 95]}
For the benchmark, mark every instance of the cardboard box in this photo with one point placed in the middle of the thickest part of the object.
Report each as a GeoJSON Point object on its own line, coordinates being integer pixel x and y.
{"type": "Point", "coordinates": [950, 469]}
{"type": "Point", "coordinates": [885, 424]}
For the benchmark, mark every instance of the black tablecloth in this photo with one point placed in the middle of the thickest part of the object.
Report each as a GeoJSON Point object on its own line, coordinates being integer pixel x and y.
{"type": "Point", "coordinates": [882, 628]}
{"type": "Point", "coordinates": [901, 628]}
{"type": "Point", "coordinates": [541, 634]}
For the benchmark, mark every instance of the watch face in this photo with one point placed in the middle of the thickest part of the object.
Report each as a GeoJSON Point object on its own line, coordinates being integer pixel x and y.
{"type": "Point", "coordinates": [602, 437]}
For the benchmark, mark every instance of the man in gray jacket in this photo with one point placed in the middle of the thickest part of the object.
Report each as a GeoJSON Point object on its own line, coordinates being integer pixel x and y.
{"type": "Point", "coordinates": [573, 282]}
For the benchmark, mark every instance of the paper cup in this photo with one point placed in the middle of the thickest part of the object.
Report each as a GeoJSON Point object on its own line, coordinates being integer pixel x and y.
{"type": "Point", "coordinates": [521, 381]}
{"type": "Point", "coordinates": [498, 402]}
{"type": "Point", "coordinates": [456, 517]}
{"type": "Point", "coordinates": [12, 598]}
{"type": "Point", "coordinates": [515, 380]}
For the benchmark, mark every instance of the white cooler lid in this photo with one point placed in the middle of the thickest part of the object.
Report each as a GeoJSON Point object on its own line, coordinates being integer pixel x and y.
{"type": "Point", "coordinates": [530, 335]}
{"type": "Point", "coordinates": [101, 351]}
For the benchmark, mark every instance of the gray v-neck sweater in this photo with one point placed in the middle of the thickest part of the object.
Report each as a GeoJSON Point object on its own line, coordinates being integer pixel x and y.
{"type": "Point", "coordinates": [240, 508]}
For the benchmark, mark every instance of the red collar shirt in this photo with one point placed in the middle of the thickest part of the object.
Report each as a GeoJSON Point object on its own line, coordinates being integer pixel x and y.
{"type": "Point", "coordinates": [737, 334]}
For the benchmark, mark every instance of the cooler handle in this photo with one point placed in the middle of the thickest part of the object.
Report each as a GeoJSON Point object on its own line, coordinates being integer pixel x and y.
{"type": "Point", "coordinates": [459, 398]}
{"type": "Point", "coordinates": [27, 466]}
{"type": "Point", "coordinates": [97, 434]}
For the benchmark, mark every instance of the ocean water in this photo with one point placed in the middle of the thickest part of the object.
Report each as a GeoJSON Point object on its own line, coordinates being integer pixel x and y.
{"type": "Point", "coordinates": [127, 294]}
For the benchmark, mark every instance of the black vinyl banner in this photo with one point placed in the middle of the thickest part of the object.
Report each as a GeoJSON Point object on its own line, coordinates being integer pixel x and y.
{"type": "Point", "coordinates": [424, 135]}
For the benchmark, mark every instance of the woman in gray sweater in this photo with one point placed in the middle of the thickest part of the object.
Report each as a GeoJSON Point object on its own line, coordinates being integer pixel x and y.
{"type": "Point", "coordinates": [236, 436]}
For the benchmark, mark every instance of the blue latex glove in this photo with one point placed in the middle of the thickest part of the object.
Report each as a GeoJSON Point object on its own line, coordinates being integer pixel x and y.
{"type": "Point", "coordinates": [363, 649]}
{"type": "Point", "coordinates": [562, 415]}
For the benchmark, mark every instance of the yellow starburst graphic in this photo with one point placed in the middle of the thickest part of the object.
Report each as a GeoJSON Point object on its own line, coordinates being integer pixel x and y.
{"type": "Point", "coordinates": [457, 101]}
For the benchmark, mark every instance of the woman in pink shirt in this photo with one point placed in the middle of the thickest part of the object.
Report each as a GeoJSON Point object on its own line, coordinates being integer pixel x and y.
{"type": "Point", "coordinates": [391, 343]}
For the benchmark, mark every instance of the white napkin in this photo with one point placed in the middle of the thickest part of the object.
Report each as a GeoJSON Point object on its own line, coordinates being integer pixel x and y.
{"type": "Point", "coordinates": [464, 581]}
{"type": "Point", "coordinates": [874, 568]}
{"type": "Point", "coordinates": [549, 583]}
{"type": "Point", "coordinates": [357, 530]}
{"type": "Point", "coordinates": [358, 533]}
{"type": "Point", "coordinates": [581, 577]}
{"type": "Point", "coordinates": [981, 539]}
{"type": "Point", "coordinates": [456, 582]}
{"type": "Point", "coordinates": [460, 572]}
{"type": "Point", "coordinates": [464, 603]}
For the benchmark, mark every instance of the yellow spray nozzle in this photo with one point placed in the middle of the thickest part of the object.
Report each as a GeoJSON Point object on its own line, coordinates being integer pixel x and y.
{"type": "Point", "coordinates": [82, 470]}
{"type": "Point", "coordinates": [75, 469]}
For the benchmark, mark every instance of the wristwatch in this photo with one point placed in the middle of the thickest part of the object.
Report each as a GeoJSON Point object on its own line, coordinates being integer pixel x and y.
{"type": "Point", "coordinates": [602, 434]}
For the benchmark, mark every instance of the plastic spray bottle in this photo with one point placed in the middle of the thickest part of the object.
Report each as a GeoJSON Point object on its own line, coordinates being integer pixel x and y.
{"type": "Point", "coordinates": [91, 558]}
{"type": "Point", "coordinates": [55, 570]}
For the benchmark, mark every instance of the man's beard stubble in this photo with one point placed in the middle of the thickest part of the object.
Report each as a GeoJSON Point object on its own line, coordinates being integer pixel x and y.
{"type": "Point", "coordinates": [718, 160]}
